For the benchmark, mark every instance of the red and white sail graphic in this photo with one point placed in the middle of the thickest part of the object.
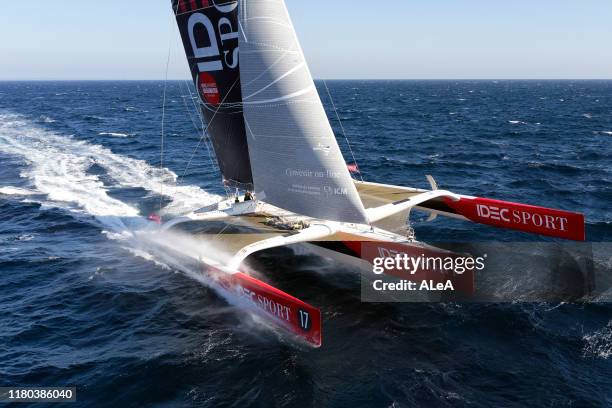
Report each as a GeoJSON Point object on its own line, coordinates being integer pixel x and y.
{"type": "Point", "coordinates": [209, 91]}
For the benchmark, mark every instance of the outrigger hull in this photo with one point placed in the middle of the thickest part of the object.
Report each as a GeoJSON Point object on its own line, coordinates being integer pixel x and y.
{"type": "Point", "coordinates": [286, 311]}
{"type": "Point", "coordinates": [503, 214]}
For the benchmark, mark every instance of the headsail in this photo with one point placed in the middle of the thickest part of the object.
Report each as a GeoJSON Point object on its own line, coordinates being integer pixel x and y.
{"type": "Point", "coordinates": [296, 162]}
{"type": "Point", "coordinates": [209, 30]}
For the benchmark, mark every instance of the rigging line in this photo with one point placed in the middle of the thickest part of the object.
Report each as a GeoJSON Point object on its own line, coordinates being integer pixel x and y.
{"type": "Point", "coordinates": [343, 131]}
{"type": "Point", "coordinates": [188, 87]}
{"type": "Point", "coordinates": [196, 108]}
{"type": "Point", "coordinates": [163, 123]}
{"type": "Point", "coordinates": [161, 153]}
{"type": "Point", "coordinates": [228, 192]}
{"type": "Point", "coordinates": [189, 113]}
{"type": "Point", "coordinates": [207, 141]}
{"type": "Point", "coordinates": [221, 232]}
{"type": "Point", "coordinates": [199, 114]}
{"type": "Point", "coordinates": [192, 99]}
{"type": "Point", "coordinates": [205, 133]}
{"type": "Point", "coordinates": [195, 126]}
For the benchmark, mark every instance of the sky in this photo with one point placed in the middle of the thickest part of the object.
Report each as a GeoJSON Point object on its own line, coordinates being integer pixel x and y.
{"type": "Point", "coordinates": [342, 39]}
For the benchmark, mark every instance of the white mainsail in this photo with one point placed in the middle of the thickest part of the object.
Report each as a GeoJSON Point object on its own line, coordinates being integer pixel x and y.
{"type": "Point", "coordinates": [295, 159]}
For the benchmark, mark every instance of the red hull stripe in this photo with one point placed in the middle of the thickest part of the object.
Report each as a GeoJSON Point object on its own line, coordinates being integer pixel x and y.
{"type": "Point", "coordinates": [354, 246]}
{"type": "Point", "coordinates": [521, 217]}
{"type": "Point", "coordinates": [294, 315]}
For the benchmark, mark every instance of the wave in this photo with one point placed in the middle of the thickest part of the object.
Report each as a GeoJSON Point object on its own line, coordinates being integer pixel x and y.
{"type": "Point", "coordinates": [115, 134]}
{"type": "Point", "coordinates": [93, 118]}
{"type": "Point", "coordinates": [16, 191]}
{"type": "Point", "coordinates": [517, 122]}
{"type": "Point", "coordinates": [606, 132]}
{"type": "Point", "coordinates": [20, 237]}
{"type": "Point", "coordinates": [46, 119]}
{"type": "Point", "coordinates": [599, 343]}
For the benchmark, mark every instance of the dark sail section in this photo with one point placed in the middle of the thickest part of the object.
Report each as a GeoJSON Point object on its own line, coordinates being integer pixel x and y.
{"type": "Point", "coordinates": [209, 30]}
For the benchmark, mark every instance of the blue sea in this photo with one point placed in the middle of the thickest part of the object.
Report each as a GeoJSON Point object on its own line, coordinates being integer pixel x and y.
{"type": "Point", "coordinates": [85, 302]}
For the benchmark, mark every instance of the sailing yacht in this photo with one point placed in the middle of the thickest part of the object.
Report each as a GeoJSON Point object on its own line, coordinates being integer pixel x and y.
{"type": "Point", "coordinates": [274, 142]}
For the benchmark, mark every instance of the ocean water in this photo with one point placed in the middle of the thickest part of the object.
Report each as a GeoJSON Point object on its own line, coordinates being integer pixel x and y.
{"type": "Point", "coordinates": [88, 299]}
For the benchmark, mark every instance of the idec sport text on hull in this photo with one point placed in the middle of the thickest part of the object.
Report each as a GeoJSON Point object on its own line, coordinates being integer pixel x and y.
{"type": "Point", "coordinates": [268, 305]}
{"type": "Point", "coordinates": [507, 215]}
{"type": "Point", "coordinates": [214, 44]}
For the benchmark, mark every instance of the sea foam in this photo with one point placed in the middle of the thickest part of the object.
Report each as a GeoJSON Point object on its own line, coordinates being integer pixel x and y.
{"type": "Point", "coordinates": [59, 168]}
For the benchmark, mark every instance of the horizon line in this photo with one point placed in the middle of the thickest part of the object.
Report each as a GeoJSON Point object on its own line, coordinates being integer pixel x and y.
{"type": "Point", "coordinates": [316, 79]}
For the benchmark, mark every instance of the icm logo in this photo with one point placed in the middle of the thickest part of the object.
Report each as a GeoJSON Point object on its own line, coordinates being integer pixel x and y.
{"type": "Point", "coordinates": [329, 190]}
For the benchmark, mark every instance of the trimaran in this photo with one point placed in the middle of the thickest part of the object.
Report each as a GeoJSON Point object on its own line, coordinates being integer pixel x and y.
{"type": "Point", "coordinates": [274, 143]}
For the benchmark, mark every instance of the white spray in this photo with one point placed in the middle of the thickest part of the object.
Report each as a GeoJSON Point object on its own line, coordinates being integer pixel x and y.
{"type": "Point", "coordinates": [57, 174]}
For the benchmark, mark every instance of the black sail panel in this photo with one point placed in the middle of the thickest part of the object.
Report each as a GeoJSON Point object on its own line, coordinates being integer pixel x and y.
{"type": "Point", "coordinates": [209, 30]}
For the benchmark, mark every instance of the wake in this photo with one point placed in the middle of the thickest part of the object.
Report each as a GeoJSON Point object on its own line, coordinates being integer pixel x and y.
{"type": "Point", "coordinates": [57, 175]}
{"type": "Point", "coordinates": [58, 168]}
